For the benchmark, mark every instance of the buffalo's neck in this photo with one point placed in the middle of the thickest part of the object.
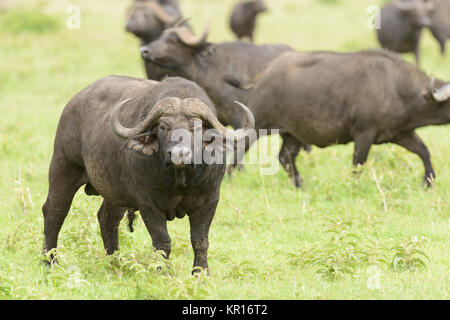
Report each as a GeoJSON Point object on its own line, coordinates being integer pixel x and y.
{"type": "Point", "coordinates": [428, 113]}
{"type": "Point", "coordinates": [176, 181]}
{"type": "Point", "coordinates": [179, 192]}
{"type": "Point", "coordinates": [201, 69]}
{"type": "Point", "coordinates": [432, 117]}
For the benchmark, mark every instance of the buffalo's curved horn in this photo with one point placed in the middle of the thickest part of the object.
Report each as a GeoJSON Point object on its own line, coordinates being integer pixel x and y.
{"type": "Point", "coordinates": [118, 129]}
{"type": "Point", "coordinates": [239, 134]}
{"type": "Point", "coordinates": [186, 36]}
{"type": "Point", "coordinates": [441, 95]}
{"type": "Point", "coordinates": [248, 114]}
{"type": "Point", "coordinates": [181, 22]}
{"type": "Point", "coordinates": [162, 15]}
{"type": "Point", "coordinates": [156, 113]}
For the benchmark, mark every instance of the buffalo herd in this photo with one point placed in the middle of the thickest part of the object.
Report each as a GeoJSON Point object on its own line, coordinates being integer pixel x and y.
{"type": "Point", "coordinates": [116, 137]}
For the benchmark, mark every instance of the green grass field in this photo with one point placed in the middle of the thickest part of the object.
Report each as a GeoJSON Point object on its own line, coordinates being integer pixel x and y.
{"type": "Point", "coordinates": [339, 237]}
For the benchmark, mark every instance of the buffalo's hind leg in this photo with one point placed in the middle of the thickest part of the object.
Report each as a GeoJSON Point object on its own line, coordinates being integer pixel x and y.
{"type": "Point", "coordinates": [288, 153]}
{"type": "Point", "coordinates": [109, 218]}
{"type": "Point", "coordinates": [64, 181]}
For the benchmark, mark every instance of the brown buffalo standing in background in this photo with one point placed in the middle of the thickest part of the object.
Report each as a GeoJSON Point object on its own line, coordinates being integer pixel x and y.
{"type": "Point", "coordinates": [243, 17]}
{"type": "Point", "coordinates": [401, 25]}
{"type": "Point", "coordinates": [147, 19]}
{"type": "Point", "coordinates": [369, 97]}
{"type": "Point", "coordinates": [440, 22]}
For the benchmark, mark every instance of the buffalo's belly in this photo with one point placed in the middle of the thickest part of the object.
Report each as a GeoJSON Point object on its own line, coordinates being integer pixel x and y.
{"type": "Point", "coordinates": [319, 127]}
{"type": "Point", "coordinates": [109, 182]}
{"type": "Point", "coordinates": [321, 136]}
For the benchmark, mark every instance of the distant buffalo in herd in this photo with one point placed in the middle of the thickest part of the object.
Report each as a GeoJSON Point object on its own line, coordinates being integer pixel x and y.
{"type": "Point", "coordinates": [440, 22]}
{"type": "Point", "coordinates": [243, 17]}
{"type": "Point", "coordinates": [402, 23]}
{"type": "Point", "coordinates": [147, 19]}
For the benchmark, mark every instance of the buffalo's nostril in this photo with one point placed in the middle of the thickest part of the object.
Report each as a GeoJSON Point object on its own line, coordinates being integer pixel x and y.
{"type": "Point", "coordinates": [145, 52]}
{"type": "Point", "coordinates": [130, 27]}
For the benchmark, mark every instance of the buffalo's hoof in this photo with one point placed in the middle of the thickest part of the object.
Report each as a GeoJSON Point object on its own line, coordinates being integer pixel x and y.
{"type": "Point", "coordinates": [232, 168]}
{"type": "Point", "coordinates": [298, 181]}
{"type": "Point", "coordinates": [48, 262]}
{"type": "Point", "coordinates": [199, 271]}
{"type": "Point", "coordinates": [428, 181]}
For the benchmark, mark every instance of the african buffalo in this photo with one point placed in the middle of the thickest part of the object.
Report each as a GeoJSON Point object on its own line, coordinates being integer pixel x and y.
{"type": "Point", "coordinates": [369, 97]}
{"type": "Point", "coordinates": [243, 17]}
{"type": "Point", "coordinates": [401, 25]}
{"type": "Point", "coordinates": [117, 138]}
{"type": "Point", "coordinates": [440, 22]}
{"type": "Point", "coordinates": [147, 20]}
{"type": "Point", "coordinates": [208, 64]}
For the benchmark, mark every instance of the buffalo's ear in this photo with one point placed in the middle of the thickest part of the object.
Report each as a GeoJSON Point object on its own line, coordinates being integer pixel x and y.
{"type": "Point", "coordinates": [426, 94]}
{"type": "Point", "coordinates": [145, 144]}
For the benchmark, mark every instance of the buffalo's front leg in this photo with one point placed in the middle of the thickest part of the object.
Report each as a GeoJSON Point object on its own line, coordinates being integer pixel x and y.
{"type": "Point", "coordinates": [156, 223]}
{"type": "Point", "coordinates": [363, 142]}
{"type": "Point", "coordinates": [200, 221]}
{"type": "Point", "coordinates": [413, 143]}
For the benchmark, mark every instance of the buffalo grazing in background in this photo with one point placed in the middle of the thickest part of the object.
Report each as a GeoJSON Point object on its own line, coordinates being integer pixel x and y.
{"type": "Point", "coordinates": [115, 137]}
{"type": "Point", "coordinates": [401, 25]}
{"type": "Point", "coordinates": [440, 22]}
{"type": "Point", "coordinates": [147, 19]}
{"type": "Point", "coordinates": [243, 17]}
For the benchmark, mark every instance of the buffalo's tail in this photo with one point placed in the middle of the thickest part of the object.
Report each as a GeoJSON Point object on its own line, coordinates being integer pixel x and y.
{"type": "Point", "coordinates": [131, 215]}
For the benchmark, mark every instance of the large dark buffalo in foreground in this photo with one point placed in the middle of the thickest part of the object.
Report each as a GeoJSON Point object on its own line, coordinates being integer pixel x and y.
{"type": "Point", "coordinates": [147, 20]}
{"type": "Point", "coordinates": [116, 137]}
{"type": "Point", "coordinates": [369, 97]}
{"type": "Point", "coordinates": [440, 22]}
{"type": "Point", "coordinates": [243, 17]}
{"type": "Point", "coordinates": [208, 64]}
{"type": "Point", "coordinates": [401, 25]}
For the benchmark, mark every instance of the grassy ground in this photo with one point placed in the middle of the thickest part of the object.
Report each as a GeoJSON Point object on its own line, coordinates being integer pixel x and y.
{"type": "Point", "coordinates": [339, 237]}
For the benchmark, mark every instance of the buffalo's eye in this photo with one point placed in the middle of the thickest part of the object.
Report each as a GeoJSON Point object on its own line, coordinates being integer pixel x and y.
{"type": "Point", "coordinates": [147, 139]}
{"type": "Point", "coordinates": [164, 127]}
